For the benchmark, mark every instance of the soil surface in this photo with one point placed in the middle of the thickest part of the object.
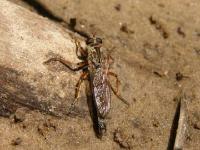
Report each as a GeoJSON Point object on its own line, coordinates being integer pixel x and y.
{"type": "Point", "coordinates": [156, 48]}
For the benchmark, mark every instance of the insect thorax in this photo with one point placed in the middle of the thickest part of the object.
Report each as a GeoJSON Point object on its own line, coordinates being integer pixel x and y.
{"type": "Point", "coordinates": [94, 56]}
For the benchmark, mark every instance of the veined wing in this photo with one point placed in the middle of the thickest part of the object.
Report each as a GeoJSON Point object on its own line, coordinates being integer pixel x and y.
{"type": "Point", "coordinates": [101, 92]}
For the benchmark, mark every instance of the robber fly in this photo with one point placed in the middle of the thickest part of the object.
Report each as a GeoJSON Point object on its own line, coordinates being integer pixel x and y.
{"type": "Point", "coordinates": [96, 69]}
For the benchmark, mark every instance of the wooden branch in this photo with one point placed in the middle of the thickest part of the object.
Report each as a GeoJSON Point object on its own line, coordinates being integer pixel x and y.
{"type": "Point", "coordinates": [27, 40]}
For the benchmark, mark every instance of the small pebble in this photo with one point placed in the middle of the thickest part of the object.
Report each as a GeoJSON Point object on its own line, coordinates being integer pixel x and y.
{"type": "Point", "coordinates": [197, 125]}
{"type": "Point", "coordinates": [179, 76]}
{"type": "Point", "coordinates": [118, 7]}
{"type": "Point", "coordinates": [16, 141]}
{"type": "Point", "coordinates": [120, 139]}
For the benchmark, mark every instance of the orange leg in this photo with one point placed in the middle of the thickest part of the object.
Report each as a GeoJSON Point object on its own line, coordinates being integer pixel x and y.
{"type": "Point", "coordinates": [77, 90]}
{"type": "Point", "coordinates": [73, 67]}
{"type": "Point", "coordinates": [117, 80]}
{"type": "Point", "coordinates": [80, 49]}
{"type": "Point", "coordinates": [117, 87]}
{"type": "Point", "coordinates": [110, 59]}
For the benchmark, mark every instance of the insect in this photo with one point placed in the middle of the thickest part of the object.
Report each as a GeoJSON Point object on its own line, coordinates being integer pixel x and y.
{"type": "Point", "coordinates": [95, 66]}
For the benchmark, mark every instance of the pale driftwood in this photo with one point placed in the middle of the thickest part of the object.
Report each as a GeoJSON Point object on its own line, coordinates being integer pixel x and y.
{"type": "Point", "coordinates": [182, 125]}
{"type": "Point", "coordinates": [26, 41]}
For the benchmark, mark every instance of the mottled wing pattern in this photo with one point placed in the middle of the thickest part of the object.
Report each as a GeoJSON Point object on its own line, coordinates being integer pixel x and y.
{"type": "Point", "coordinates": [101, 93]}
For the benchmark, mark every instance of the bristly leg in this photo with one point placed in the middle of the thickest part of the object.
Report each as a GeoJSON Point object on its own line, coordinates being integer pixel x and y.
{"type": "Point", "coordinates": [118, 95]}
{"type": "Point", "coordinates": [83, 76]}
{"type": "Point", "coordinates": [117, 81]}
{"type": "Point", "coordinates": [82, 51]}
{"type": "Point", "coordinates": [73, 67]}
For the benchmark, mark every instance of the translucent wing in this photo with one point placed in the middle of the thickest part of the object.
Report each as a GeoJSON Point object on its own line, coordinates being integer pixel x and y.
{"type": "Point", "coordinates": [101, 93]}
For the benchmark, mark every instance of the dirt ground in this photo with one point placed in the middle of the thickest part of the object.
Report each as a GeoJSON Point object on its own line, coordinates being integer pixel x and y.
{"type": "Point", "coordinates": [155, 43]}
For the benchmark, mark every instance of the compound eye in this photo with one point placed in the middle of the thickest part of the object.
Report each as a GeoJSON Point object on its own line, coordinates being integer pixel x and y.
{"type": "Point", "coordinates": [90, 41]}
{"type": "Point", "coordinates": [99, 40]}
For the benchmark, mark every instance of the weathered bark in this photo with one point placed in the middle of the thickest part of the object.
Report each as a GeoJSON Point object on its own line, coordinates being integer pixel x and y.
{"type": "Point", "coordinates": [26, 41]}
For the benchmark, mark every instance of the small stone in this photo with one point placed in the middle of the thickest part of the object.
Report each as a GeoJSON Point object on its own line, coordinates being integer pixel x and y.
{"type": "Point", "coordinates": [124, 28]}
{"type": "Point", "coordinates": [119, 138]}
{"type": "Point", "coordinates": [179, 76]}
{"type": "Point", "coordinates": [19, 115]}
{"type": "Point", "coordinates": [197, 125]}
{"type": "Point", "coordinates": [180, 32]}
{"type": "Point", "coordinates": [118, 7]}
{"type": "Point", "coordinates": [16, 141]}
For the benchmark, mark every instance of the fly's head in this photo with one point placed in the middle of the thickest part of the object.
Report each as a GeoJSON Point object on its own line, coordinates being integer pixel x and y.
{"type": "Point", "coordinates": [95, 42]}
{"type": "Point", "coordinates": [94, 54]}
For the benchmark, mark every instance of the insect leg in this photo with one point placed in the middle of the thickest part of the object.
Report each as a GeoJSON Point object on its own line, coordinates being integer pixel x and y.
{"type": "Point", "coordinates": [73, 67]}
{"type": "Point", "coordinates": [77, 89]}
{"type": "Point", "coordinates": [118, 95]}
{"type": "Point", "coordinates": [117, 81]}
{"type": "Point", "coordinates": [81, 50]}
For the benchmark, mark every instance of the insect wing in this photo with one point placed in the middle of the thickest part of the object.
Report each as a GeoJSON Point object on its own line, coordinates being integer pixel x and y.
{"type": "Point", "coordinates": [101, 93]}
